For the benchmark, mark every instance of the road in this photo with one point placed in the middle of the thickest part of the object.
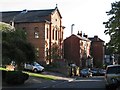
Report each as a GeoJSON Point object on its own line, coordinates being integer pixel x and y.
{"type": "Point", "coordinates": [91, 83]}
{"type": "Point", "coordinates": [83, 83]}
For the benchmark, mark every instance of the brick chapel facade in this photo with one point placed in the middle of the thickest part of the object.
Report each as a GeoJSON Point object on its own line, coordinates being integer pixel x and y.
{"type": "Point", "coordinates": [43, 28]}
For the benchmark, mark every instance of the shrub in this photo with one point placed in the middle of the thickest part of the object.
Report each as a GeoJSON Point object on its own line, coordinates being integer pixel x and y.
{"type": "Point", "coordinates": [16, 77]}
{"type": "Point", "coordinates": [3, 74]}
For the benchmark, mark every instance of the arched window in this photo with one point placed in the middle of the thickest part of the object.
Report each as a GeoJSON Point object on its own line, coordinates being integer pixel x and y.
{"type": "Point", "coordinates": [47, 33]}
{"type": "Point", "coordinates": [36, 32]}
{"type": "Point", "coordinates": [56, 35]}
{"type": "Point", "coordinates": [24, 28]}
{"type": "Point", "coordinates": [53, 34]}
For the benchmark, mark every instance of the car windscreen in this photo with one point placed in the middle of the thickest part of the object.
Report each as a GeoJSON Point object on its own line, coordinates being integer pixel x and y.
{"type": "Point", "coordinates": [113, 70]}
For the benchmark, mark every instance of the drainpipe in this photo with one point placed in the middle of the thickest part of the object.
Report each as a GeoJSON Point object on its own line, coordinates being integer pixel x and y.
{"type": "Point", "coordinates": [60, 37]}
{"type": "Point", "coordinates": [50, 44]}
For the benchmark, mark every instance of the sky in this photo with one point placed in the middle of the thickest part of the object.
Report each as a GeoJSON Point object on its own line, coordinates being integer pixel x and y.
{"type": "Point", "coordinates": [86, 15]}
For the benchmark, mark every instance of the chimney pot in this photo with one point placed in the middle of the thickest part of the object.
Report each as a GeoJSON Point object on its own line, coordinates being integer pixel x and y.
{"type": "Point", "coordinates": [86, 36]}
{"type": "Point", "coordinates": [80, 33]}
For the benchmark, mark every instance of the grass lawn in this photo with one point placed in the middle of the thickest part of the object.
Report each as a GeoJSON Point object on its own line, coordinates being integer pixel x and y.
{"type": "Point", "coordinates": [48, 77]}
{"type": "Point", "coordinates": [41, 75]}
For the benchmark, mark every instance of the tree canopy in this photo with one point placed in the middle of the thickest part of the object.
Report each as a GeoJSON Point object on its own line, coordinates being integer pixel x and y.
{"type": "Point", "coordinates": [15, 46]}
{"type": "Point", "coordinates": [113, 27]}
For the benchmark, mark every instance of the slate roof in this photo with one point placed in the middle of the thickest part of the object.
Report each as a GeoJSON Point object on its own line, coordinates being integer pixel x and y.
{"type": "Point", "coordinates": [29, 16]}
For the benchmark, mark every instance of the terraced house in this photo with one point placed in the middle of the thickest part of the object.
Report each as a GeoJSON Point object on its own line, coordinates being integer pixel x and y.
{"type": "Point", "coordinates": [43, 28]}
{"type": "Point", "coordinates": [77, 50]}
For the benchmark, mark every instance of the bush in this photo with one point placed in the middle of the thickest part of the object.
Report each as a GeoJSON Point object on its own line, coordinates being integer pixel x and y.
{"type": "Point", "coordinates": [3, 75]}
{"type": "Point", "coordinates": [16, 77]}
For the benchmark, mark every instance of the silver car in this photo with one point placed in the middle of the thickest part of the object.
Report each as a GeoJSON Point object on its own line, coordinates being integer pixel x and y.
{"type": "Point", "coordinates": [35, 67]}
{"type": "Point", "coordinates": [112, 75]}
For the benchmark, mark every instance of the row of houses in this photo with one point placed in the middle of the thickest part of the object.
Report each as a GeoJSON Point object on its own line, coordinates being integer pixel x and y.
{"type": "Point", "coordinates": [45, 31]}
{"type": "Point", "coordinates": [84, 51]}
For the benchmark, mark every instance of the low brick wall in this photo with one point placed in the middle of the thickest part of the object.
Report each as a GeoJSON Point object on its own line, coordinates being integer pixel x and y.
{"type": "Point", "coordinates": [62, 67]}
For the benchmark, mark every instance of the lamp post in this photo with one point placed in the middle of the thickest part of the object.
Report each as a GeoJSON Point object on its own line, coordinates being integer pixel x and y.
{"type": "Point", "coordinates": [72, 28]}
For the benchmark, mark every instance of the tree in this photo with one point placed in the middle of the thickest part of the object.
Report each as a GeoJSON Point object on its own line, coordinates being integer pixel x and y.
{"type": "Point", "coordinates": [15, 46]}
{"type": "Point", "coordinates": [113, 28]}
{"type": "Point", "coordinates": [55, 53]}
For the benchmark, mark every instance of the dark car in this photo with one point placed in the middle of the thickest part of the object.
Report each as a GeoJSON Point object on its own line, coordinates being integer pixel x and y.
{"type": "Point", "coordinates": [98, 72]}
{"type": "Point", "coordinates": [86, 72]}
{"type": "Point", "coordinates": [102, 72]}
{"type": "Point", "coordinates": [95, 71]}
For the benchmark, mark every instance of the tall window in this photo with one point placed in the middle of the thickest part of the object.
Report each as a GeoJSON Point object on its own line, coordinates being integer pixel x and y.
{"type": "Point", "coordinates": [53, 34]}
{"type": "Point", "coordinates": [47, 52]}
{"type": "Point", "coordinates": [37, 52]}
{"type": "Point", "coordinates": [56, 35]}
{"type": "Point", "coordinates": [24, 28]}
{"type": "Point", "coordinates": [36, 32]}
{"type": "Point", "coordinates": [47, 33]}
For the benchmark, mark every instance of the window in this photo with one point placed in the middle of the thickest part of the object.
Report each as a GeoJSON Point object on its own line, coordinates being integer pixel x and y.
{"type": "Point", "coordinates": [36, 33]}
{"type": "Point", "coordinates": [37, 52]}
{"type": "Point", "coordinates": [53, 34]}
{"type": "Point", "coordinates": [113, 70]}
{"type": "Point", "coordinates": [47, 33]}
{"type": "Point", "coordinates": [56, 35]}
{"type": "Point", "coordinates": [36, 28]}
{"type": "Point", "coordinates": [47, 51]}
{"type": "Point", "coordinates": [24, 29]}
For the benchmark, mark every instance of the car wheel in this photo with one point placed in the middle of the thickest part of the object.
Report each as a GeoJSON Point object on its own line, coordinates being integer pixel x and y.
{"type": "Point", "coordinates": [35, 70]}
{"type": "Point", "coordinates": [114, 81]}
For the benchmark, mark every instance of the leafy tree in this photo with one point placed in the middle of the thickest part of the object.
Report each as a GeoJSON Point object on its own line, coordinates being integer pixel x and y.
{"type": "Point", "coordinates": [113, 28]}
{"type": "Point", "coordinates": [55, 51]}
{"type": "Point", "coordinates": [15, 46]}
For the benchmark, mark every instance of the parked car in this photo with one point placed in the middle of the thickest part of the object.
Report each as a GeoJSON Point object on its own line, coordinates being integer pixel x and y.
{"type": "Point", "coordinates": [112, 76]}
{"type": "Point", "coordinates": [35, 67]}
{"type": "Point", "coordinates": [95, 71]}
{"type": "Point", "coordinates": [102, 72]}
{"type": "Point", "coordinates": [86, 72]}
{"type": "Point", "coordinates": [98, 72]}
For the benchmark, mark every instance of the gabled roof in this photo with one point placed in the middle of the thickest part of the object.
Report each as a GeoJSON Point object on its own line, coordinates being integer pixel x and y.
{"type": "Point", "coordinates": [28, 16]}
{"type": "Point", "coordinates": [79, 37]}
{"type": "Point", "coordinates": [56, 9]}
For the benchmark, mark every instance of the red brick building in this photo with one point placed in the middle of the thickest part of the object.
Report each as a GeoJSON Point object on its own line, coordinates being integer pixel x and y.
{"type": "Point", "coordinates": [97, 51]}
{"type": "Point", "coordinates": [43, 28]}
{"type": "Point", "coordinates": [77, 49]}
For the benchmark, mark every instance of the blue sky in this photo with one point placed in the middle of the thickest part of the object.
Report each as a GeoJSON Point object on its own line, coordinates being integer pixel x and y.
{"type": "Point", "coordinates": [87, 15]}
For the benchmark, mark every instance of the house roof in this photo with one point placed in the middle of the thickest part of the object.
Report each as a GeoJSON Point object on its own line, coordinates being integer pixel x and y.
{"type": "Point", "coordinates": [79, 37]}
{"type": "Point", "coordinates": [95, 40]}
{"type": "Point", "coordinates": [28, 15]}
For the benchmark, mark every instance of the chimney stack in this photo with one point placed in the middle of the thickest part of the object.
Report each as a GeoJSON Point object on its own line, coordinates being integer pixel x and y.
{"type": "Point", "coordinates": [86, 36]}
{"type": "Point", "coordinates": [96, 37]}
{"type": "Point", "coordinates": [79, 33]}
